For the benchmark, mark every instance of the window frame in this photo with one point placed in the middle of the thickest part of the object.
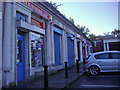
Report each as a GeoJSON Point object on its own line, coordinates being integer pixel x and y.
{"type": "Point", "coordinates": [33, 63]}
{"type": "Point", "coordinates": [23, 15]}
{"type": "Point", "coordinates": [113, 55]}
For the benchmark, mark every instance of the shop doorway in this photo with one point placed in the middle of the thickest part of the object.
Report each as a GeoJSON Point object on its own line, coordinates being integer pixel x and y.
{"type": "Point", "coordinates": [84, 54]}
{"type": "Point", "coordinates": [70, 52]}
{"type": "Point", "coordinates": [78, 49]}
{"type": "Point", "coordinates": [57, 48]}
{"type": "Point", "coordinates": [20, 58]}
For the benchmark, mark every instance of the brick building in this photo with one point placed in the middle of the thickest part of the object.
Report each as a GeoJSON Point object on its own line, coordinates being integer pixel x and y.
{"type": "Point", "coordinates": [108, 43]}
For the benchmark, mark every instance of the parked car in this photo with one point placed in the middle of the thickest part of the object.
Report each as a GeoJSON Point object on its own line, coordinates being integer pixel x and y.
{"type": "Point", "coordinates": [106, 61]}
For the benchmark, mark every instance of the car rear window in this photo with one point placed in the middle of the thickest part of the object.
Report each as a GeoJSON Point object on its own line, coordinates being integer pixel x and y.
{"type": "Point", "coordinates": [102, 56]}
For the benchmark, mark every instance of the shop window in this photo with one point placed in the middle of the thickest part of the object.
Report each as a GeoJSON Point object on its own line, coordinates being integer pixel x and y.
{"type": "Point", "coordinates": [19, 51]}
{"type": "Point", "coordinates": [36, 49]}
{"type": "Point", "coordinates": [20, 16]}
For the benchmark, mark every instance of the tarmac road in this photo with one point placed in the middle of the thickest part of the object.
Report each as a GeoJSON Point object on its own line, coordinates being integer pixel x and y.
{"type": "Point", "coordinates": [102, 81]}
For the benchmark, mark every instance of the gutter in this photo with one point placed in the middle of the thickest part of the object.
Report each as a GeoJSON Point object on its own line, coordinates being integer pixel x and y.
{"type": "Point", "coordinates": [74, 80]}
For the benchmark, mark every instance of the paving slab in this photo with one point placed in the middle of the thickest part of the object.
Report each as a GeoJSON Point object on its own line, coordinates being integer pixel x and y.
{"type": "Point", "coordinates": [57, 80]}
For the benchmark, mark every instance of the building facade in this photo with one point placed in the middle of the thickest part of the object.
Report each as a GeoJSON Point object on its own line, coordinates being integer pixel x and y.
{"type": "Point", "coordinates": [111, 42]}
{"type": "Point", "coordinates": [108, 43]}
{"type": "Point", "coordinates": [36, 34]}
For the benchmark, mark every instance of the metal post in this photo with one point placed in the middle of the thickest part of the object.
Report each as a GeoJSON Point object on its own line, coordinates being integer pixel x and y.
{"type": "Point", "coordinates": [66, 70]}
{"type": "Point", "coordinates": [77, 64]}
{"type": "Point", "coordinates": [45, 76]}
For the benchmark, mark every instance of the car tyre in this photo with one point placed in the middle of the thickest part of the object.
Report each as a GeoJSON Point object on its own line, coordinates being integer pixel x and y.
{"type": "Point", "coordinates": [94, 70]}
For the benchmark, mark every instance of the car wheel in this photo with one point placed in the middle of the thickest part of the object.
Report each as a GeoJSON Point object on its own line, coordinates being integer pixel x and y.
{"type": "Point", "coordinates": [94, 70]}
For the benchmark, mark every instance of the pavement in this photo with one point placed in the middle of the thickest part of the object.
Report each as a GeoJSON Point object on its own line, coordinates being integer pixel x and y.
{"type": "Point", "coordinates": [57, 80]}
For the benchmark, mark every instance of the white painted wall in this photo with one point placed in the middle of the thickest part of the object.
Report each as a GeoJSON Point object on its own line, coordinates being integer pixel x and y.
{"type": "Point", "coordinates": [52, 44]}
{"type": "Point", "coordinates": [0, 44]}
{"type": "Point", "coordinates": [7, 43]}
{"type": "Point", "coordinates": [48, 44]}
{"type": "Point", "coordinates": [119, 14]}
{"type": "Point", "coordinates": [75, 49]}
{"type": "Point", "coordinates": [64, 46]}
{"type": "Point", "coordinates": [81, 54]}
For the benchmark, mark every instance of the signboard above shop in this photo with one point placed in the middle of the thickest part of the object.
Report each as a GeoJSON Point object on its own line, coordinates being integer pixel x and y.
{"type": "Point", "coordinates": [35, 8]}
{"type": "Point", "coordinates": [36, 23]}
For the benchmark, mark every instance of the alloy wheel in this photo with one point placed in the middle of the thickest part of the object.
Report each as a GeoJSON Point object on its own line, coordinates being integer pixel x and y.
{"type": "Point", "coordinates": [94, 70]}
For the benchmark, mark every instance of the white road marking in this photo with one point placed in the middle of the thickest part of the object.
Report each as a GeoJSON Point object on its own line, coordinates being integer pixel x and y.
{"type": "Point", "coordinates": [100, 85]}
{"type": "Point", "coordinates": [107, 76]}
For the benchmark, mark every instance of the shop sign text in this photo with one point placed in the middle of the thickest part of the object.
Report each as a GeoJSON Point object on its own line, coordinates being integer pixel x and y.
{"type": "Point", "coordinates": [35, 8]}
{"type": "Point", "coordinates": [36, 23]}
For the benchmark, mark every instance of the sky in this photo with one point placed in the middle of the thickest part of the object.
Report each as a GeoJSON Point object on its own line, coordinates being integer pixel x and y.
{"type": "Point", "coordinates": [99, 17]}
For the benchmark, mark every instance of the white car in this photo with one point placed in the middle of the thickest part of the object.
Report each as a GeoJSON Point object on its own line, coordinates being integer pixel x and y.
{"type": "Point", "coordinates": [106, 61]}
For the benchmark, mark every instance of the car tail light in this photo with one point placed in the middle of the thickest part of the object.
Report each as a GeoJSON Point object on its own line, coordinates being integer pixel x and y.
{"type": "Point", "coordinates": [86, 62]}
{"type": "Point", "coordinates": [88, 57]}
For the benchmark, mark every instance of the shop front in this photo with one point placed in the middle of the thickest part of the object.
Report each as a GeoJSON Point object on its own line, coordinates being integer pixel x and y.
{"type": "Point", "coordinates": [84, 51]}
{"type": "Point", "coordinates": [78, 50]}
{"type": "Point", "coordinates": [57, 45]}
{"type": "Point", "coordinates": [30, 41]}
{"type": "Point", "coordinates": [20, 56]}
{"type": "Point", "coordinates": [70, 49]}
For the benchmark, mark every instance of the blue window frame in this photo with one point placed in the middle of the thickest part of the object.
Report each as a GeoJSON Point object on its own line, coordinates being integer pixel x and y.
{"type": "Point", "coordinates": [57, 30]}
{"type": "Point", "coordinates": [20, 16]}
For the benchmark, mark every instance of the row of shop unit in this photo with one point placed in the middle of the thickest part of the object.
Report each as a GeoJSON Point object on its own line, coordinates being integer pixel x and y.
{"type": "Point", "coordinates": [34, 35]}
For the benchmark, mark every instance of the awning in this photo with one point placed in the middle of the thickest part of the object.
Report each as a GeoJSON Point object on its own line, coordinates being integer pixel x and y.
{"type": "Point", "coordinates": [29, 27]}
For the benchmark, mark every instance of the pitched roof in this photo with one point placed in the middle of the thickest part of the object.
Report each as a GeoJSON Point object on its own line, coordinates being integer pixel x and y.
{"type": "Point", "coordinates": [111, 37]}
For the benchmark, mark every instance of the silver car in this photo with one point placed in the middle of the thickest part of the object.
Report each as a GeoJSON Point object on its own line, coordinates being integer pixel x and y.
{"type": "Point", "coordinates": [106, 61]}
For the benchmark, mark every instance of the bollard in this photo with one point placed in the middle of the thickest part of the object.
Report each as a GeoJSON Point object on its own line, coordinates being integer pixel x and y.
{"type": "Point", "coordinates": [45, 76]}
{"type": "Point", "coordinates": [66, 70]}
{"type": "Point", "coordinates": [84, 59]}
{"type": "Point", "coordinates": [77, 64]}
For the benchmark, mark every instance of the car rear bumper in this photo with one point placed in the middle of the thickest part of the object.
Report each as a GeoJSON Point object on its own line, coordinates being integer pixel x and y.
{"type": "Point", "coordinates": [87, 70]}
